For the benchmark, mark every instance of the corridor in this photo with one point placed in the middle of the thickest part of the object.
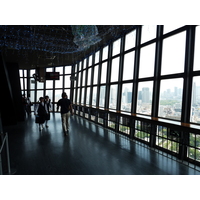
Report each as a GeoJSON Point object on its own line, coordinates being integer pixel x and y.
{"type": "Point", "coordinates": [89, 149]}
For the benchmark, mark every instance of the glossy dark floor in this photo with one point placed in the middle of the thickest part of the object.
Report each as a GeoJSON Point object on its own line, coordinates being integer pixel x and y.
{"type": "Point", "coordinates": [88, 150]}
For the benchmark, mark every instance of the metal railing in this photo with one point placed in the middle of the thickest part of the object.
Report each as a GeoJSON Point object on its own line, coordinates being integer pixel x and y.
{"type": "Point", "coordinates": [4, 143]}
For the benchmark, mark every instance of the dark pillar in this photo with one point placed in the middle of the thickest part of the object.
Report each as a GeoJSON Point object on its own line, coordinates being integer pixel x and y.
{"type": "Point", "coordinates": [10, 90]}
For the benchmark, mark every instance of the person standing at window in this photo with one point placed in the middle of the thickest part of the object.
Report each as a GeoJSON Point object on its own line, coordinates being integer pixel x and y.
{"type": "Point", "coordinates": [66, 109]}
{"type": "Point", "coordinates": [49, 108]}
{"type": "Point", "coordinates": [41, 112]}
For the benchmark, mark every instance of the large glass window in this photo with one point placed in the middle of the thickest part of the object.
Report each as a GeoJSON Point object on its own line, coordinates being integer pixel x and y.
{"type": "Point", "coordinates": [170, 103]}
{"type": "Point", "coordinates": [39, 94]}
{"type": "Point", "coordinates": [195, 104]}
{"type": "Point", "coordinates": [58, 94]}
{"type": "Point", "coordinates": [130, 40]}
{"type": "Point", "coordinates": [97, 57]}
{"type": "Point", "coordinates": [197, 49]}
{"type": "Point", "coordinates": [59, 83]}
{"type": "Point", "coordinates": [83, 78]}
{"type": "Point", "coordinates": [144, 97]}
{"type": "Point", "coordinates": [59, 69]}
{"type": "Point", "coordinates": [68, 69]}
{"type": "Point", "coordinates": [90, 60]}
{"type": "Point", "coordinates": [94, 96]}
{"type": "Point", "coordinates": [82, 95]}
{"type": "Point", "coordinates": [116, 47]}
{"type": "Point", "coordinates": [148, 33]}
{"type": "Point", "coordinates": [49, 93]}
{"type": "Point", "coordinates": [173, 55]}
{"type": "Point", "coordinates": [96, 69]}
{"type": "Point", "coordinates": [79, 78]}
{"type": "Point", "coordinates": [128, 66]}
{"type": "Point", "coordinates": [126, 97]}
{"type": "Point", "coordinates": [89, 76]}
{"type": "Point", "coordinates": [102, 96]}
{"type": "Point", "coordinates": [105, 53]}
{"type": "Point", "coordinates": [115, 70]}
{"type": "Point", "coordinates": [147, 57]}
{"type": "Point", "coordinates": [104, 72]}
{"type": "Point", "coordinates": [49, 84]}
{"type": "Point", "coordinates": [67, 81]}
{"type": "Point", "coordinates": [88, 96]}
{"type": "Point", "coordinates": [113, 96]}
{"type": "Point", "coordinates": [40, 85]}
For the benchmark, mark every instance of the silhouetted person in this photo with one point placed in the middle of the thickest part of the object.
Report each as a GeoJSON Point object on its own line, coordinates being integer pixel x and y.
{"type": "Point", "coordinates": [66, 109]}
{"type": "Point", "coordinates": [49, 108]}
{"type": "Point", "coordinates": [41, 112]}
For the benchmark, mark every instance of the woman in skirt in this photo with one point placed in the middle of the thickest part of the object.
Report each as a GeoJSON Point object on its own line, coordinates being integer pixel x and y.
{"type": "Point", "coordinates": [49, 108]}
{"type": "Point", "coordinates": [41, 111]}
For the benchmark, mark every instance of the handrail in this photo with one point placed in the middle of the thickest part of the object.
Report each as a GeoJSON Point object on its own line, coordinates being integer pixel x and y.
{"type": "Point", "coordinates": [154, 120]}
{"type": "Point", "coordinates": [5, 142]}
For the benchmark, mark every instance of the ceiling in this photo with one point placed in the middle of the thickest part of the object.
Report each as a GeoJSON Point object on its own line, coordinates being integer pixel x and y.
{"type": "Point", "coordinates": [33, 46]}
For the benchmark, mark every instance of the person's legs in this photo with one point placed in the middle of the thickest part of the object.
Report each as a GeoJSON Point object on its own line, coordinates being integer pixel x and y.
{"type": "Point", "coordinates": [67, 120]}
{"type": "Point", "coordinates": [64, 116]}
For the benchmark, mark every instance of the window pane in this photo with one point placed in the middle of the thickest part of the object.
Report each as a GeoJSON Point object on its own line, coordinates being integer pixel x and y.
{"type": "Point", "coordinates": [148, 33]}
{"type": "Point", "coordinates": [49, 69]}
{"type": "Point", "coordinates": [115, 70]}
{"type": "Point", "coordinates": [79, 78]}
{"type": "Point", "coordinates": [94, 96]}
{"type": "Point", "coordinates": [82, 95]}
{"type": "Point", "coordinates": [102, 96]}
{"type": "Point", "coordinates": [22, 83]}
{"type": "Point", "coordinates": [126, 97]}
{"type": "Point", "coordinates": [59, 69]}
{"type": "Point", "coordinates": [104, 72]}
{"type": "Point", "coordinates": [105, 53]}
{"type": "Point", "coordinates": [88, 96]}
{"type": "Point", "coordinates": [84, 63]}
{"type": "Point", "coordinates": [113, 97]}
{"type": "Point", "coordinates": [74, 97]}
{"type": "Point", "coordinates": [173, 54]}
{"type": "Point", "coordinates": [83, 78]}
{"type": "Point", "coordinates": [59, 83]}
{"type": "Point", "coordinates": [197, 49]}
{"type": "Point", "coordinates": [195, 111]}
{"type": "Point", "coordinates": [50, 94]}
{"type": "Point", "coordinates": [96, 68]}
{"type": "Point", "coordinates": [89, 76]}
{"type": "Point", "coordinates": [49, 84]}
{"type": "Point", "coordinates": [32, 83]}
{"type": "Point", "coordinates": [80, 66]}
{"type": "Point", "coordinates": [90, 60]}
{"type": "Point", "coordinates": [39, 94]}
{"type": "Point", "coordinates": [78, 95]}
{"type": "Point", "coordinates": [147, 57]}
{"type": "Point", "coordinates": [32, 97]}
{"type": "Point", "coordinates": [67, 82]}
{"type": "Point", "coordinates": [97, 57]}
{"type": "Point", "coordinates": [58, 94]}
{"type": "Point", "coordinates": [116, 47]}
{"type": "Point", "coordinates": [68, 69]}
{"type": "Point", "coordinates": [25, 83]}
{"type": "Point", "coordinates": [32, 71]}
{"type": "Point", "coordinates": [40, 85]}
{"type": "Point", "coordinates": [76, 65]}
{"type": "Point", "coordinates": [128, 66]}
{"type": "Point", "coordinates": [130, 40]}
{"type": "Point", "coordinates": [170, 102]}
{"type": "Point", "coordinates": [21, 72]}
{"type": "Point", "coordinates": [144, 97]}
